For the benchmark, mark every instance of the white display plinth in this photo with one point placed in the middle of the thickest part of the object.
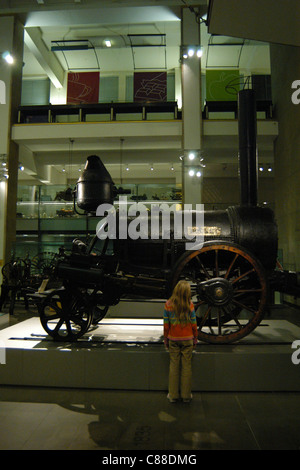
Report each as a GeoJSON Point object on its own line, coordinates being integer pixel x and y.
{"type": "Point", "coordinates": [128, 354]}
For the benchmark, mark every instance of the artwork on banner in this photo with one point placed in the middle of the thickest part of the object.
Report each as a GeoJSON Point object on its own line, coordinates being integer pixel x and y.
{"type": "Point", "coordinates": [222, 85]}
{"type": "Point", "coordinates": [83, 87]}
{"type": "Point", "coordinates": [150, 86]}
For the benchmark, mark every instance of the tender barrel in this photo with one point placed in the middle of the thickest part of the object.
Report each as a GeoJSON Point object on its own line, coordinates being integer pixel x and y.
{"type": "Point", "coordinates": [252, 228]}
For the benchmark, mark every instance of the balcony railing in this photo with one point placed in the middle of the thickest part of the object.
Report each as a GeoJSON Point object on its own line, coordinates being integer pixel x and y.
{"type": "Point", "coordinates": [111, 111]}
{"type": "Point", "coordinates": [232, 107]}
{"type": "Point", "coordinates": [50, 113]}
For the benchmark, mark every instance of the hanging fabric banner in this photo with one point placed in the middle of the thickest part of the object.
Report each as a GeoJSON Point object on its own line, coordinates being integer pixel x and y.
{"type": "Point", "coordinates": [150, 86]}
{"type": "Point", "coordinates": [83, 87]}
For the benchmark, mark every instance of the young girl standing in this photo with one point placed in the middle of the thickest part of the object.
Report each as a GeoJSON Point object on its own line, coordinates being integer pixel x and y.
{"type": "Point", "coordinates": [180, 336]}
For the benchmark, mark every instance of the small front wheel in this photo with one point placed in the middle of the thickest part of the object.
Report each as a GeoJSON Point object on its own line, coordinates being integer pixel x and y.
{"type": "Point", "coordinates": [65, 314]}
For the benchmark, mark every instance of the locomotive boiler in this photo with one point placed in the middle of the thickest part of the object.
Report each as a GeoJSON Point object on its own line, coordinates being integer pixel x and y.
{"type": "Point", "coordinates": [230, 272]}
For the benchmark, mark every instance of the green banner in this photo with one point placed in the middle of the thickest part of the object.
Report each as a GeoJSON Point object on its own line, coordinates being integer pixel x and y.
{"type": "Point", "coordinates": [222, 85]}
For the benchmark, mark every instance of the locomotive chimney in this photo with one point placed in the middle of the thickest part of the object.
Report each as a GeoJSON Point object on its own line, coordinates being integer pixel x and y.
{"type": "Point", "coordinates": [94, 186]}
{"type": "Point", "coordinates": [247, 147]}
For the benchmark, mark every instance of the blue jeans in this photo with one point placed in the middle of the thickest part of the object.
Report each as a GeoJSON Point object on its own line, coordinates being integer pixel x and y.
{"type": "Point", "coordinates": [180, 370]}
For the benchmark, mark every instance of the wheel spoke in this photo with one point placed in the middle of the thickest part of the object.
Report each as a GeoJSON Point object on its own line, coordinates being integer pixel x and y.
{"type": "Point", "coordinates": [231, 266]}
{"type": "Point", "coordinates": [217, 262]}
{"type": "Point", "coordinates": [243, 306]}
{"type": "Point", "coordinates": [68, 325]}
{"type": "Point", "coordinates": [247, 291]}
{"type": "Point", "coordinates": [202, 323]}
{"type": "Point", "coordinates": [219, 322]}
{"type": "Point", "coordinates": [58, 326]}
{"type": "Point", "coordinates": [243, 275]}
{"type": "Point", "coordinates": [234, 318]}
{"type": "Point", "coordinates": [208, 276]}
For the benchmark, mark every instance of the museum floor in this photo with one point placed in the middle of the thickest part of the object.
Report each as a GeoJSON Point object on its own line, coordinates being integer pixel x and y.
{"type": "Point", "coordinates": [41, 418]}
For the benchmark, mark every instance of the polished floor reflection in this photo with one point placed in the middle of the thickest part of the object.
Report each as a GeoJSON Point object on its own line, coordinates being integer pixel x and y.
{"type": "Point", "coordinates": [53, 419]}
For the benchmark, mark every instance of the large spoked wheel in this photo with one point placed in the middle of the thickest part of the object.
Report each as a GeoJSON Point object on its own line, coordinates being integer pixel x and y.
{"type": "Point", "coordinates": [66, 315]}
{"type": "Point", "coordinates": [229, 291]}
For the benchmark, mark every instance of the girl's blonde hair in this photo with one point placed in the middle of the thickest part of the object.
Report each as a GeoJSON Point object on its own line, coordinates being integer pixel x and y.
{"type": "Point", "coordinates": [181, 302]}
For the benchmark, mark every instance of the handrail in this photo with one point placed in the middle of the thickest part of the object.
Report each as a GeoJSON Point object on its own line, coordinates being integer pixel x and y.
{"type": "Point", "coordinates": [49, 113]}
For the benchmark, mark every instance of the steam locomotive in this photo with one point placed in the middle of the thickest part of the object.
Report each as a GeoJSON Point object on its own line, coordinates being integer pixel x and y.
{"type": "Point", "coordinates": [232, 274]}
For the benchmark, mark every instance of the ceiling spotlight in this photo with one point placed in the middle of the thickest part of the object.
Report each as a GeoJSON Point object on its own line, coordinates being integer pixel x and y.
{"type": "Point", "coordinates": [8, 57]}
{"type": "Point", "coordinates": [191, 51]}
{"type": "Point", "coordinates": [184, 52]}
{"type": "Point", "coordinates": [127, 168]}
{"type": "Point", "coordinates": [198, 174]}
{"type": "Point", "coordinates": [172, 168]}
{"type": "Point", "coordinates": [191, 172]}
{"type": "Point", "coordinates": [21, 167]}
{"type": "Point", "coordinates": [151, 168]}
{"type": "Point", "coordinates": [261, 168]}
{"type": "Point", "coordinates": [269, 168]}
{"type": "Point", "coordinates": [191, 156]}
{"type": "Point", "coordinates": [107, 43]}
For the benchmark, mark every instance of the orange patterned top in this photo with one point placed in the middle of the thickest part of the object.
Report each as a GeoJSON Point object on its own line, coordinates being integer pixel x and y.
{"type": "Point", "coordinates": [175, 331]}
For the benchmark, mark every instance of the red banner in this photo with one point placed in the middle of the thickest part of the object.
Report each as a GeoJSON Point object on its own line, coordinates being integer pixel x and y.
{"type": "Point", "coordinates": [150, 86]}
{"type": "Point", "coordinates": [83, 87]}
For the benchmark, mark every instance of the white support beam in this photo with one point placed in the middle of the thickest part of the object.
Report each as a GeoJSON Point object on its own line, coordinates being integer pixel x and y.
{"type": "Point", "coordinates": [47, 60]}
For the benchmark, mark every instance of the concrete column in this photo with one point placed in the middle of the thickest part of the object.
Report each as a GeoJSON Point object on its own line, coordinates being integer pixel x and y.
{"type": "Point", "coordinates": [11, 75]}
{"type": "Point", "coordinates": [285, 70]}
{"type": "Point", "coordinates": [191, 108]}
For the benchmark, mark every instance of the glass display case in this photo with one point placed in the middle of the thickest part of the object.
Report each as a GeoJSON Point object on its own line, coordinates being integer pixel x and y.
{"type": "Point", "coordinates": [46, 219]}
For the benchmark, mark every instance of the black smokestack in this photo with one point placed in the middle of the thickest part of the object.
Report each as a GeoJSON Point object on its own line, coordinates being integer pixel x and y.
{"type": "Point", "coordinates": [94, 186]}
{"type": "Point", "coordinates": [247, 147]}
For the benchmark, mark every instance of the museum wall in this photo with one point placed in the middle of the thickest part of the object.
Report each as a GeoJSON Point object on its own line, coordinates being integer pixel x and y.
{"type": "Point", "coordinates": [219, 193]}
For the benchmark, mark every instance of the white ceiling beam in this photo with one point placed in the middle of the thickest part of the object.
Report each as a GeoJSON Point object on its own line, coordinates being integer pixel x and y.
{"type": "Point", "coordinates": [47, 60]}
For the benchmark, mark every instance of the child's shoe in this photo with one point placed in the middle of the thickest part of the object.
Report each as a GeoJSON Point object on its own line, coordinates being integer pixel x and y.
{"type": "Point", "coordinates": [171, 400]}
{"type": "Point", "coordinates": [187, 400]}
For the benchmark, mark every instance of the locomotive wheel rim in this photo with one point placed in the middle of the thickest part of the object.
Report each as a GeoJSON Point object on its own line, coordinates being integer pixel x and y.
{"type": "Point", "coordinates": [65, 316]}
{"type": "Point", "coordinates": [242, 330]}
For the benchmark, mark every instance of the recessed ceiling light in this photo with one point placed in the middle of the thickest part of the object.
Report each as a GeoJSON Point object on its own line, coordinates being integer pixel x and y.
{"type": "Point", "coordinates": [107, 43]}
{"type": "Point", "coordinates": [8, 57]}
